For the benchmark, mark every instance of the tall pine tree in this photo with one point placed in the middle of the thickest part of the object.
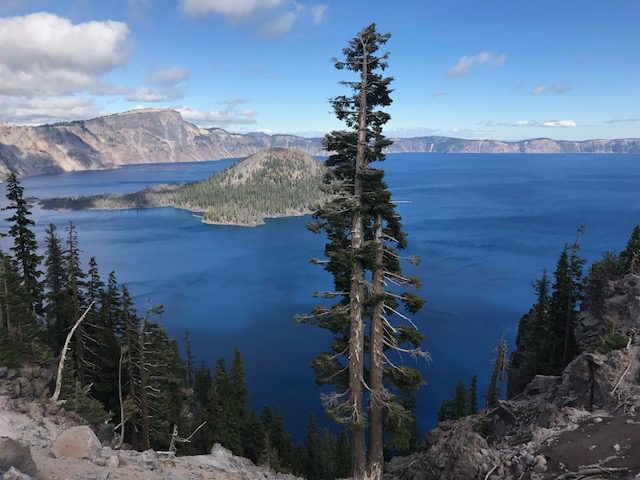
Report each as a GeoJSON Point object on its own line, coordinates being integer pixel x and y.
{"type": "Point", "coordinates": [363, 233]}
{"type": "Point", "coordinates": [25, 245]}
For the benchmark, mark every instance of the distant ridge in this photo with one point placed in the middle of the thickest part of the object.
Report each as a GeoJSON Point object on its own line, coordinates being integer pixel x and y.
{"type": "Point", "coordinates": [162, 135]}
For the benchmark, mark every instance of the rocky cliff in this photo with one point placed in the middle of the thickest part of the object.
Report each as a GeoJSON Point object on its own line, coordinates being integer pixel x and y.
{"type": "Point", "coordinates": [40, 440]}
{"type": "Point", "coordinates": [582, 424]}
{"type": "Point", "coordinates": [138, 136]}
{"type": "Point", "coordinates": [160, 135]}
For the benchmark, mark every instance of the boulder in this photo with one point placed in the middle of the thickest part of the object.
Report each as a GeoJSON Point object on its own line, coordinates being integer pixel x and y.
{"type": "Point", "coordinates": [15, 454]}
{"type": "Point", "coordinates": [77, 442]}
{"type": "Point", "coordinates": [150, 459]}
{"type": "Point", "coordinates": [15, 474]}
{"type": "Point", "coordinates": [113, 462]}
{"type": "Point", "coordinates": [543, 385]}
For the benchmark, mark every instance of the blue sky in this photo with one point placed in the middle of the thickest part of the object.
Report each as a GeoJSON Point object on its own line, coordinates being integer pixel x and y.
{"type": "Point", "coordinates": [500, 69]}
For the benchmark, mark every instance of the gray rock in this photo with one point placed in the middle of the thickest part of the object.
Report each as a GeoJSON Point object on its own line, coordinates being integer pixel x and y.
{"type": "Point", "coordinates": [113, 462]}
{"type": "Point", "coordinates": [15, 454]}
{"type": "Point", "coordinates": [15, 474]}
{"type": "Point", "coordinates": [77, 442]}
{"type": "Point", "coordinates": [543, 385]}
{"type": "Point", "coordinates": [150, 459]}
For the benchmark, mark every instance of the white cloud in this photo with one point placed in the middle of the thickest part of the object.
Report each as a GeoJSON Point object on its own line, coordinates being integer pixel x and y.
{"type": "Point", "coordinates": [146, 94]}
{"type": "Point", "coordinates": [168, 76]}
{"type": "Point", "coordinates": [557, 87]}
{"type": "Point", "coordinates": [467, 62]}
{"type": "Point", "coordinates": [279, 25]}
{"type": "Point", "coordinates": [440, 93]}
{"type": "Point", "coordinates": [235, 101]}
{"type": "Point", "coordinates": [623, 120]}
{"type": "Point", "coordinates": [560, 124]}
{"type": "Point", "coordinates": [232, 9]}
{"type": "Point", "coordinates": [31, 111]}
{"type": "Point", "coordinates": [408, 132]}
{"type": "Point", "coordinates": [44, 54]}
{"type": "Point", "coordinates": [533, 123]}
{"type": "Point", "coordinates": [221, 118]}
{"type": "Point", "coordinates": [269, 18]}
{"type": "Point", "coordinates": [318, 13]}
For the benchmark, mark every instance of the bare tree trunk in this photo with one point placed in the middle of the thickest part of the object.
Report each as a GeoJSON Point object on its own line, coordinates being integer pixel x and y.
{"type": "Point", "coordinates": [63, 355]}
{"type": "Point", "coordinates": [144, 399]}
{"type": "Point", "coordinates": [122, 419]}
{"type": "Point", "coordinates": [6, 296]}
{"type": "Point", "coordinates": [356, 337]}
{"type": "Point", "coordinates": [2, 317]}
{"type": "Point", "coordinates": [569, 320]}
{"type": "Point", "coordinates": [376, 338]}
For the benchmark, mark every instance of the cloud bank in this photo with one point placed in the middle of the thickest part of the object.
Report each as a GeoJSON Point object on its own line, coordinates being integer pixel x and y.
{"type": "Point", "coordinates": [534, 123]}
{"type": "Point", "coordinates": [268, 18]}
{"type": "Point", "coordinates": [44, 54]}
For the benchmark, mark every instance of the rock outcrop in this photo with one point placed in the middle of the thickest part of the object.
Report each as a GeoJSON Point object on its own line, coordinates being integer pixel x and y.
{"type": "Point", "coordinates": [582, 424]}
{"type": "Point", "coordinates": [620, 312]}
{"type": "Point", "coordinates": [14, 454]}
{"type": "Point", "coordinates": [30, 382]}
{"type": "Point", "coordinates": [39, 440]}
{"type": "Point", "coordinates": [161, 135]}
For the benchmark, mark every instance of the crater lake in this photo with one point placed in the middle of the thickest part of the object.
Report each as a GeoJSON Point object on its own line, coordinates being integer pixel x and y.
{"type": "Point", "coordinates": [485, 226]}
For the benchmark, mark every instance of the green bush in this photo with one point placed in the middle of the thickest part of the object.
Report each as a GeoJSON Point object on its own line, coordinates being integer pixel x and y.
{"type": "Point", "coordinates": [612, 341]}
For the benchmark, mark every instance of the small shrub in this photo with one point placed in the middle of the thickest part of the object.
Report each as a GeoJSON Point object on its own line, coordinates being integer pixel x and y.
{"type": "Point", "coordinates": [612, 341]}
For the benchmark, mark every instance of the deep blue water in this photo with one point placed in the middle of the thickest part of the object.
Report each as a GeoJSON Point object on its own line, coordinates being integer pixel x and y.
{"type": "Point", "coordinates": [485, 226]}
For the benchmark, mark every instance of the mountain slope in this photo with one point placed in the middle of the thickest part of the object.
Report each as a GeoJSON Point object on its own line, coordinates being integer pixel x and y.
{"type": "Point", "coordinates": [161, 135]}
{"type": "Point", "coordinates": [272, 183]}
{"type": "Point", "coordinates": [138, 136]}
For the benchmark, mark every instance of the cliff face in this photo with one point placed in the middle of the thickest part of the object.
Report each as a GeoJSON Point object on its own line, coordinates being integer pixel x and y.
{"type": "Point", "coordinates": [540, 145]}
{"type": "Point", "coordinates": [139, 136]}
{"type": "Point", "coordinates": [160, 135]}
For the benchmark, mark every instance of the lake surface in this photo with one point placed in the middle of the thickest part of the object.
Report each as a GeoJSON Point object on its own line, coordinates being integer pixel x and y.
{"type": "Point", "coordinates": [484, 225]}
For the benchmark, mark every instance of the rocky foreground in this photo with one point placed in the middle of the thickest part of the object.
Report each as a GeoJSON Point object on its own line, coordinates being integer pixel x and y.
{"type": "Point", "coordinates": [583, 424]}
{"type": "Point", "coordinates": [162, 135]}
{"type": "Point", "coordinates": [39, 440]}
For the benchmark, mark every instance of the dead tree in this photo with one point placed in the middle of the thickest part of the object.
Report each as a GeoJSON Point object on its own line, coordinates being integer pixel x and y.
{"type": "Point", "coordinates": [63, 356]}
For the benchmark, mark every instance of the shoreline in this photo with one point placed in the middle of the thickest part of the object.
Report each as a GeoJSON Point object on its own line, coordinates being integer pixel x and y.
{"type": "Point", "coordinates": [199, 214]}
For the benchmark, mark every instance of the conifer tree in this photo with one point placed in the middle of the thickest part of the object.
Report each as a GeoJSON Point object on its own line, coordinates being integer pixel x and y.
{"type": "Point", "coordinates": [239, 398]}
{"type": "Point", "coordinates": [82, 343]}
{"type": "Point", "coordinates": [55, 277]}
{"type": "Point", "coordinates": [189, 355]}
{"type": "Point", "coordinates": [20, 332]}
{"type": "Point", "coordinates": [25, 245]}
{"type": "Point", "coordinates": [630, 256]}
{"type": "Point", "coordinates": [498, 375]}
{"type": "Point", "coordinates": [473, 396]}
{"type": "Point", "coordinates": [254, 439]}
{"type": "Point", "coordinates": [222, 411]}
{"type": "Point", "coordinates": [363, 232]}
{"type": "Point", "coordinates": [446, 411]}
{"type": "Point", "coordinates": [563, 309]}
{"type": "Point", "coordinates": [460, 400]}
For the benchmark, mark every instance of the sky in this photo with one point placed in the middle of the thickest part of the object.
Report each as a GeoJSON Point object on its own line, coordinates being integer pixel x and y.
{"type": "Point", "coordinates": [499, 69]}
